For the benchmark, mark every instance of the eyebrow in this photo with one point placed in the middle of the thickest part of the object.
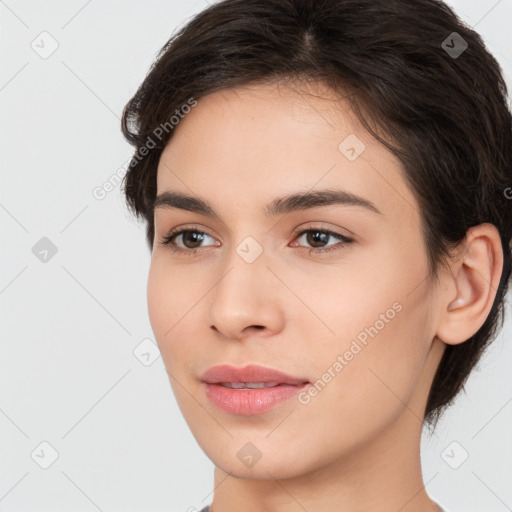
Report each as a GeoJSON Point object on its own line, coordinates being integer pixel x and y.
{"type": "Point", "coordinates": [279, 206]}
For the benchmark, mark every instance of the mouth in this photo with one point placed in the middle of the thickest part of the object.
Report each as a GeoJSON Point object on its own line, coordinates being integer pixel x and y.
{"type": "Point", "coordinates": [249, 390]}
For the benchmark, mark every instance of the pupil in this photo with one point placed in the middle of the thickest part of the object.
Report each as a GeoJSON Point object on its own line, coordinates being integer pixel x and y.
{"type": "Point", "coordinates": [315, 235]}
{"type": "Point", "coordinates": [196, 237]}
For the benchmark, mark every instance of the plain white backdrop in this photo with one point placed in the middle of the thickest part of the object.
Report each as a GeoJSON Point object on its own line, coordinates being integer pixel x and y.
{"type": "Point", "coordinates": [87, 417]}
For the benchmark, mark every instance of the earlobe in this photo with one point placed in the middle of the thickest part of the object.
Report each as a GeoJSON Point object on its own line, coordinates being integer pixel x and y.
{"type": "Point", "coordinates": [475, 275]}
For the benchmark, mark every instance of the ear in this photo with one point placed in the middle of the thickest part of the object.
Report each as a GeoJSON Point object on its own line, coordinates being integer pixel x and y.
{"type": "Point", "coordinates": [471, 289]}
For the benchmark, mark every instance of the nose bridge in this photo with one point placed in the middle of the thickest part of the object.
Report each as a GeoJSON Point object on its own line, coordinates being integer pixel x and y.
{"type": "Point", "coordinates": [245, 269]}
{"type": "Point", "coordinates": [243, 296]}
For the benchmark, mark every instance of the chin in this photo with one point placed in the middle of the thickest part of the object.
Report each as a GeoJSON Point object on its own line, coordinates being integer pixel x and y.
{"type": "Point", "coordinates": [276, 465]}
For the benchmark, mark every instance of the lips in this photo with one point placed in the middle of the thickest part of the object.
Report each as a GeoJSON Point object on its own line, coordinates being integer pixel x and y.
{"type": "Point", "coordinates": [249, 390]}
{"type": "Point", "coordinates": [225, 374]}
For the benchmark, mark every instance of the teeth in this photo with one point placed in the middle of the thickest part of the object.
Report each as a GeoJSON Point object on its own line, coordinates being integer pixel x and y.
{"type": "Point", "coordinates": [249, 385]}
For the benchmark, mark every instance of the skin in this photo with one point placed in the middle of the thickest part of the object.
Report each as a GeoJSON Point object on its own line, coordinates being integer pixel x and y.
{"type": "Point", "coordinates": [355, 446]}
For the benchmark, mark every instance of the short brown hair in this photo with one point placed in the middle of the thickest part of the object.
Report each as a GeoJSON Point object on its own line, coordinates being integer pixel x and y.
{"type": "Point", "coordinates": [419, 79]}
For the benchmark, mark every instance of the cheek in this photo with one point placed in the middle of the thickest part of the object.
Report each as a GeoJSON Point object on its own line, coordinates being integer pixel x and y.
{"type": "Point", "coordinates": [174, 309]}
{"type": "Point", "coordinates": [383, 325]}
{"type": "Point", "coordinates": [364, 386]}
{"type": "Point", "coordinates": [158, 300]}
{"type": "Point", "coordinates": [171, 294]}
{"type": "Point", "coordinates": [392, 361]}
{"type": "Point", "coordinates": [167, 305]}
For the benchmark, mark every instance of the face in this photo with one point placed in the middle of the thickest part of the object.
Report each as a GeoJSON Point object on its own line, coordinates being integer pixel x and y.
{"type": "Point", "coordinates": [334, 292]}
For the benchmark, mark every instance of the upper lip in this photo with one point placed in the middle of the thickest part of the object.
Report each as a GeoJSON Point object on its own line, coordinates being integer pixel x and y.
{"type": "Point", "coordinates": [249, 373]}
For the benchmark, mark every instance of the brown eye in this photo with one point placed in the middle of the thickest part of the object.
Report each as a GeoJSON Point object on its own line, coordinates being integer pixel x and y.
{"type": "Point", "coordinates": [317, 238]}
{"type": "Point", "coordinates": [191, 240]}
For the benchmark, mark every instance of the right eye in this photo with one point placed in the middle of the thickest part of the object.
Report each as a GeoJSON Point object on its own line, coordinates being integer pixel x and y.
{"type": "Point", "coordinates": [188, 236]}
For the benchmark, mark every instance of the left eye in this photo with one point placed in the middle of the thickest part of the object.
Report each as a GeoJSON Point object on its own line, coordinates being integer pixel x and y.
{"type": "Point", "coordinates": [315, 236]}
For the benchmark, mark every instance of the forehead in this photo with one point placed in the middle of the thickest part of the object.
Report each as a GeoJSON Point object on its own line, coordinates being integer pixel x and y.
{"type": "Point", "coordinates": [257, 142]}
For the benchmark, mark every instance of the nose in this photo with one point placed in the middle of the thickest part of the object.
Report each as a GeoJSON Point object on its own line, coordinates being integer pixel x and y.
{"type": "Point", "coordinates": [246, 300]}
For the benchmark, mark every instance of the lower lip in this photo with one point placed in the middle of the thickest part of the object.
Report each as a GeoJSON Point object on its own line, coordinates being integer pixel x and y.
{"type": "Point", "coordinates": [250, 401]}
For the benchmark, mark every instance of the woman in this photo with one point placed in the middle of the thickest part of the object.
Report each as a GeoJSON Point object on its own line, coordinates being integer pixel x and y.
{"type": "Point", "coordinates": [324, 185]}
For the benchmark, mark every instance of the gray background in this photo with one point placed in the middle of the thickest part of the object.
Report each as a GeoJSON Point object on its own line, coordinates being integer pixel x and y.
{"type": "Point", "coordinates": [72, 371]}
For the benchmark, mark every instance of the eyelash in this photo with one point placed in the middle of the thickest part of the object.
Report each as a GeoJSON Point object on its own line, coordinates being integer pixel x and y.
{"type": "Point", "coordinates": [168, 240]}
